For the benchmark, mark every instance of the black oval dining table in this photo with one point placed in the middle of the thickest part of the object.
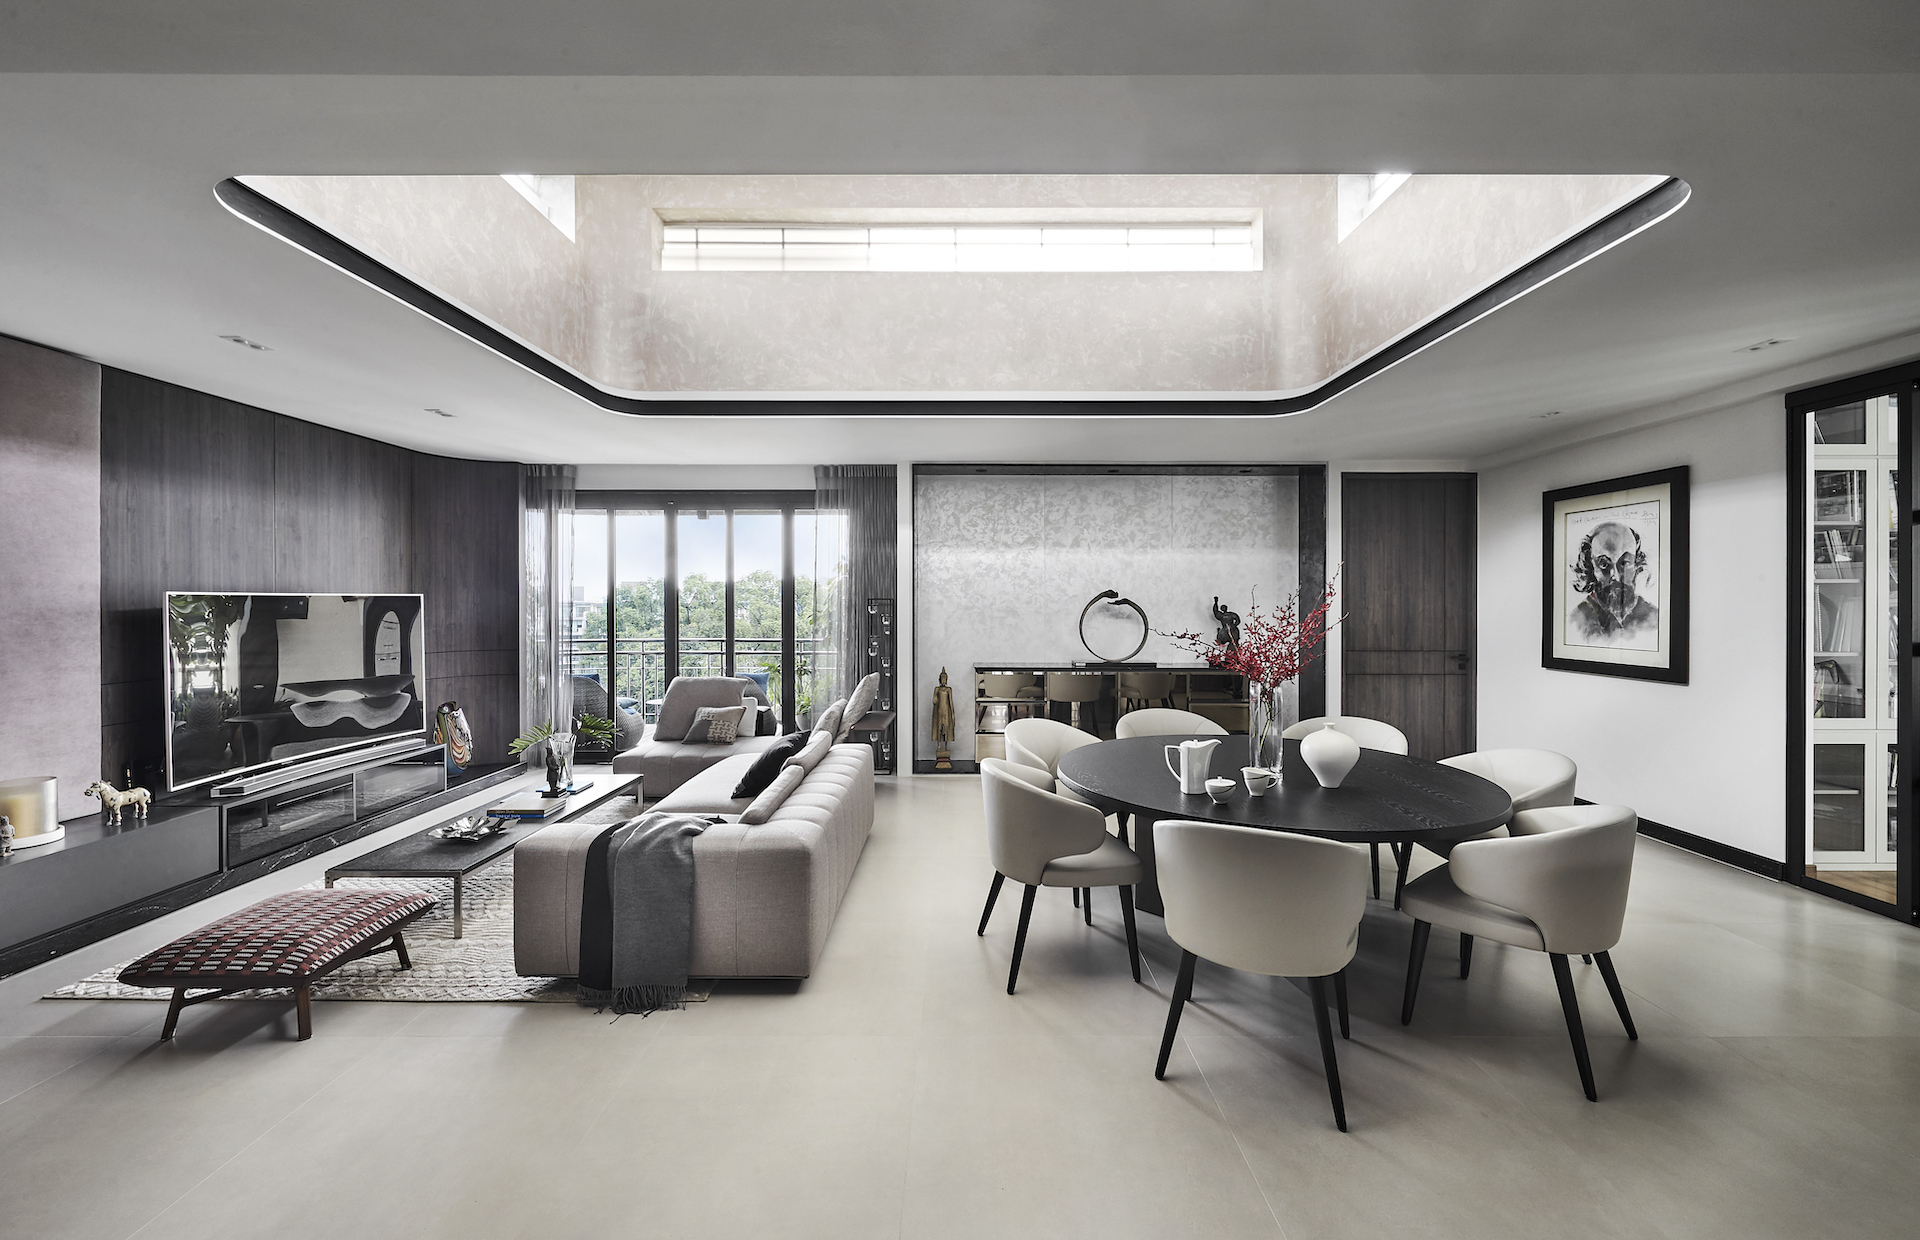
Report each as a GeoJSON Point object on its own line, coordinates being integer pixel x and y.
{"type": "Point", "coordinates": [1386, 799]}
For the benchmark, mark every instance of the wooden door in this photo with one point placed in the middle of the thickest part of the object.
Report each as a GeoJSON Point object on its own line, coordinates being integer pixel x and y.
{"type": "Point", "coordinates": [1407, 580]}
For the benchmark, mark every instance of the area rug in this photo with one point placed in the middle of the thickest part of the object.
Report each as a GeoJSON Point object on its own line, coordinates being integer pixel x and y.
{"type": "Point", "coordinates": [475, 968]}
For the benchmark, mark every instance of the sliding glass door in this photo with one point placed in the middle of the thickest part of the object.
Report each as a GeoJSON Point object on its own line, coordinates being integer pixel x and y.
{"type": "Point", "coordinates": [695, 584]}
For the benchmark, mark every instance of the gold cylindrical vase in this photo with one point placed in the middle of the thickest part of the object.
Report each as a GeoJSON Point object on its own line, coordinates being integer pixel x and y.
{"type": "Point", "coordinates": [34, 806]}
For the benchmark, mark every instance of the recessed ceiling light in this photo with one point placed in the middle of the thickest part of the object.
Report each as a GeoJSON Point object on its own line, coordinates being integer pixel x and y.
{"type": "Point", "coordinates": [1759, 346]}
{"type": "Point", "coordinates": [1551, 413]}
{"type": "Point", "coordinates": [251, 344]}
{"type": "Point", "coordinates": [442, 412]}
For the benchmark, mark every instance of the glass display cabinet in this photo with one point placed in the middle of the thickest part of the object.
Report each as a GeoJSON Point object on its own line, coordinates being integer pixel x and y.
{"type": "Point", "coordinates": [1852, 597]}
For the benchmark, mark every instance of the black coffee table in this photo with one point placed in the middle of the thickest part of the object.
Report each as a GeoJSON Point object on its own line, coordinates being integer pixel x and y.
{"type": "Point", "coordinates": [1386, 799]}
{"type": "Point", "coordinates": [422, 856]}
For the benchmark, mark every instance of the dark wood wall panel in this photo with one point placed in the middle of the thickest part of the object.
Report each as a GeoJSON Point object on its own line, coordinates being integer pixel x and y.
{"type": "Point", "coordinates": [343, 516]}
{"type": "Point", "coordinates": [466, 538]}
{"type": "Point", "coordinates": [201, 493]}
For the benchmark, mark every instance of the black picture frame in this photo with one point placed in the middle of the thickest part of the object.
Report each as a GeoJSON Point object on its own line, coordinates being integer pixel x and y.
{"type": "Point", "coordinates": [1668, 661]}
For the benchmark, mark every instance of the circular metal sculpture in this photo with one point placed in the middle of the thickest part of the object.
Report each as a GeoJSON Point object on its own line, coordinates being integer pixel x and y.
{"type": "Point", "coordinates": [1112, 597]}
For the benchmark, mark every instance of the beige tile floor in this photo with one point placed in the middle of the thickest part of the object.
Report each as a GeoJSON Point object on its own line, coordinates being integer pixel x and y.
{"type": "Point", "coordinates": [900, 1092]}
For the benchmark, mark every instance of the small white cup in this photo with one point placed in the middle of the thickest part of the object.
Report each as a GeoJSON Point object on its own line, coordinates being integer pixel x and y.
{"type": "Point", "coordinates": [1259, 780]}
{"type": "Point", "coordinates": [1220, 790]}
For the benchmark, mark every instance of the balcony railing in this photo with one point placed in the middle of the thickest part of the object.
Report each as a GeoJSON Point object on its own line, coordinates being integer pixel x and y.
{"type": "Point", "coordinates": [640, 665]}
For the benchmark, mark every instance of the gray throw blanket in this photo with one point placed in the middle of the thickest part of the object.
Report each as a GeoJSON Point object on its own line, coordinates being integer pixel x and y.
{"type": "Point", "coordinates": [636, 913]}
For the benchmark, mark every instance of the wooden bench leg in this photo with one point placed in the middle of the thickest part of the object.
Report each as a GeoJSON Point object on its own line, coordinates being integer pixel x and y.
{"type": "Point", "coordinates": [303, 1002]}
{"type": "Point", "coordinates": [400, 949]}
{"type": "Point", "coordinates": [173, 1012]}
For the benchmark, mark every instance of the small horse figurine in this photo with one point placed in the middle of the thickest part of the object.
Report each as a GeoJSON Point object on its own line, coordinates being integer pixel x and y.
{"type": "Point", "coordinates": [113, 800]}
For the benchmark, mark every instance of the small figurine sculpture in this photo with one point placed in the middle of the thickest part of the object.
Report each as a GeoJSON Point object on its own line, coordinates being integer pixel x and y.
{"type": "Point", "coordinates": [1228, 633]}
{"type": "Point", "coordinates": [6, 836]}
{"type": "Point", "coordinates": [112, 799]}
{"type": "Point", "coordinates": [943, 725]}
{"type": "Point", "coordinates": [555, 788]}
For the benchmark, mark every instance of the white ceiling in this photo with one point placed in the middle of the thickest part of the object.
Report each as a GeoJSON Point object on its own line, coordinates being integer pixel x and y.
{"type": "Point", "coordinates": [1801, 224]}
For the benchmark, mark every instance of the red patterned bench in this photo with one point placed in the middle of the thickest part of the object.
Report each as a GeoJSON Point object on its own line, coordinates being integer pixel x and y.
{"type": "Point", "coordinates": [285, 940]}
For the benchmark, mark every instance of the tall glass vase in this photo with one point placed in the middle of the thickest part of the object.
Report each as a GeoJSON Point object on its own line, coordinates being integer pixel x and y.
{"type": "Point", "coordinates": [1263, 725]}
{"type": "Point", "coordinates": [560, 753]}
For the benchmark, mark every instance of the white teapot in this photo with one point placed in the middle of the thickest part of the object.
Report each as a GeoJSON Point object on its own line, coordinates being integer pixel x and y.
{"type": "Point", "coordinates": [1196, 764]}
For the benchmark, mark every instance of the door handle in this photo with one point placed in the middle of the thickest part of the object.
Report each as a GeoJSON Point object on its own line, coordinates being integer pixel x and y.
{"type": "Point", "coordinates": [1459, 661]}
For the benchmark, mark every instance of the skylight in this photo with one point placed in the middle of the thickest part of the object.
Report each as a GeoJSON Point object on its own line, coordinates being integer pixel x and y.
{"type": "Point", "coordinates": [551, 196]}
{"type": "Point", "coordinates": [1361, 195]}
{"type": "Point", "coordinates": [915, 247]}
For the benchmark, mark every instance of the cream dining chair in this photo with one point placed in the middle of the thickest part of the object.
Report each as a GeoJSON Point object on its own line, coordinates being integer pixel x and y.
{"type": "Point", "coordinates": [1042, 840]}
{"type": "Point", "coordinates": [1157, 721]}
{"type": "Point", "coordinates": [1266, 902]}
{"type": "Point", "coordinates": [1556, 884]}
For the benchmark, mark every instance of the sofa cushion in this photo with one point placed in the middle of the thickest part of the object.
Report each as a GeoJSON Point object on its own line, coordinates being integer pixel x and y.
{"type": "Point", "coordinates": [830, 718]}
{"type": "Point", "coordinates": [859, 703]}
{"type": "Point", "coordinates": [710, 791]}
{"type": "Point", "coordinates": [688, 694]}
{"type": "Point", "coordinates": [809, 754]}
{"type": "Point", "coordinates": [774, 797]}
{"type": "Point", "coordinates": [715, 725]}
{"type": "Point", "coordinates": [769, 764]}
{"type": "Point", "coordinates": [666, 765]}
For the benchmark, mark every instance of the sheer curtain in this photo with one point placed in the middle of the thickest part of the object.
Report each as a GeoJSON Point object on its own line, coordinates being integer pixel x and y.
{"type": "Point", "coordinates": [854, 561]}
{"type": "Point", "coordinates": [546, 610]}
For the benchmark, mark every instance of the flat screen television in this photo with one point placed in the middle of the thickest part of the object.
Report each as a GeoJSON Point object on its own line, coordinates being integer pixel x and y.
{"type": "Point", "coordinates": [257, 682]}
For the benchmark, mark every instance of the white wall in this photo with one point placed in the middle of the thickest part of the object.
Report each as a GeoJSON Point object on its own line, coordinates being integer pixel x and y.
{"type": "Point", "coordinates": [1704, 757]}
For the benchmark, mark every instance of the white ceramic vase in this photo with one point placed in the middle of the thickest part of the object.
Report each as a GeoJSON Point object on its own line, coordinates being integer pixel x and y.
{"type": "Point", "coordinates": [1329, 754]}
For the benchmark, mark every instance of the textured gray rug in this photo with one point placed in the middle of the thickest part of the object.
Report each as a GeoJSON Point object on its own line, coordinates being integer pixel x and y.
{"type": "Point", "coordinates": [475, 968]}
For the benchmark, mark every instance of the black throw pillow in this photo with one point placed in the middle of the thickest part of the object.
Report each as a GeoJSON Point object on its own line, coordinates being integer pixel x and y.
{"type": "Point", "coordinates": [767, 766]}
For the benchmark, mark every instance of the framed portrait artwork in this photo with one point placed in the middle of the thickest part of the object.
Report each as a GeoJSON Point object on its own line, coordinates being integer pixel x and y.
{"type": "Point", "coordinates": [1616, 577]}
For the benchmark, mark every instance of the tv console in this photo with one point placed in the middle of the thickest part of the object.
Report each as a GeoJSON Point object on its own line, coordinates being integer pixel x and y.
{"type": "Point", "coordinates": [102, 879]}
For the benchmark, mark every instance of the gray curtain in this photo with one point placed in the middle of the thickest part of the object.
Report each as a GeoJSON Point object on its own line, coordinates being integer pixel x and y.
{"type": "Point", "coordinates": [855, 561]}
{"type": "Point", "coordinates": [546, 610]}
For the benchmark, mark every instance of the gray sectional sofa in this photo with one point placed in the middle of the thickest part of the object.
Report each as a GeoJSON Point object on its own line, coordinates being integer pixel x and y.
{"type": "Point", "coordinates": [765, 892]}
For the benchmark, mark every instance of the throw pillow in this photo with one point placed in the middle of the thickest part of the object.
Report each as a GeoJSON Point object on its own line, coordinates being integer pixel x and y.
{"type": "Point", "coordinates": [830, 718]}
{"type": "Point", "coordinates": [811, 753]}
{"type": "Point", "coordinates": [775, 795]}
{"type": "Point", "coordinates": [768, 765]}
{"type": "Point", "coordinates": [860, 702]}
{"type": "Point", "coordinates": [715, 725]}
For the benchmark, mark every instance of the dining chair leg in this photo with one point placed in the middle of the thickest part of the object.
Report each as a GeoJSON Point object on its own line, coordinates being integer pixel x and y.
{"type": "Point", "coordinates": [1133, 940]}
{"type": "Point", "coordinates": [1020, 938]}
{"type": "Point", "coordinates": [1120, 826]}
{"type": "Point", "coordinates": [1340, 1001]}
{"type": "Point", "coordinates": [1416, 958]}
{"type": "Point", "coordinates": [1466, 955]}
{"type": "Point", "coordinates": [1182, 989]}
{"type": "Point", "coordinates": [1619, 996]}
{"type": "Point", "coordinates": [1086, 903]}
{"type": "Point", "coordinates": [1318, 985]}
{"type": "Point", "coordinates": [1570, 1004]}
{"type": "Point", "coordinates": [1376, 869]}
{"type": "Point", "coordinates": [1586, 959]}
{"type": "Point", "coordinates": [993, 893]}
{"type": "Point", "coordinates": [1402, 857]}
{"type": "Point", "coordinates": [1076, 897]}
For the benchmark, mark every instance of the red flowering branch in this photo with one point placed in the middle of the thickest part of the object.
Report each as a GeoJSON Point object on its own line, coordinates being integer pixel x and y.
{"type": "Point", "coordinates": [1275, 647]}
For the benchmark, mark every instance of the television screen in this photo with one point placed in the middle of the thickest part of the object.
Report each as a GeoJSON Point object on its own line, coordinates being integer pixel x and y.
{"type": "Point", "coordinates": [256, 681]}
